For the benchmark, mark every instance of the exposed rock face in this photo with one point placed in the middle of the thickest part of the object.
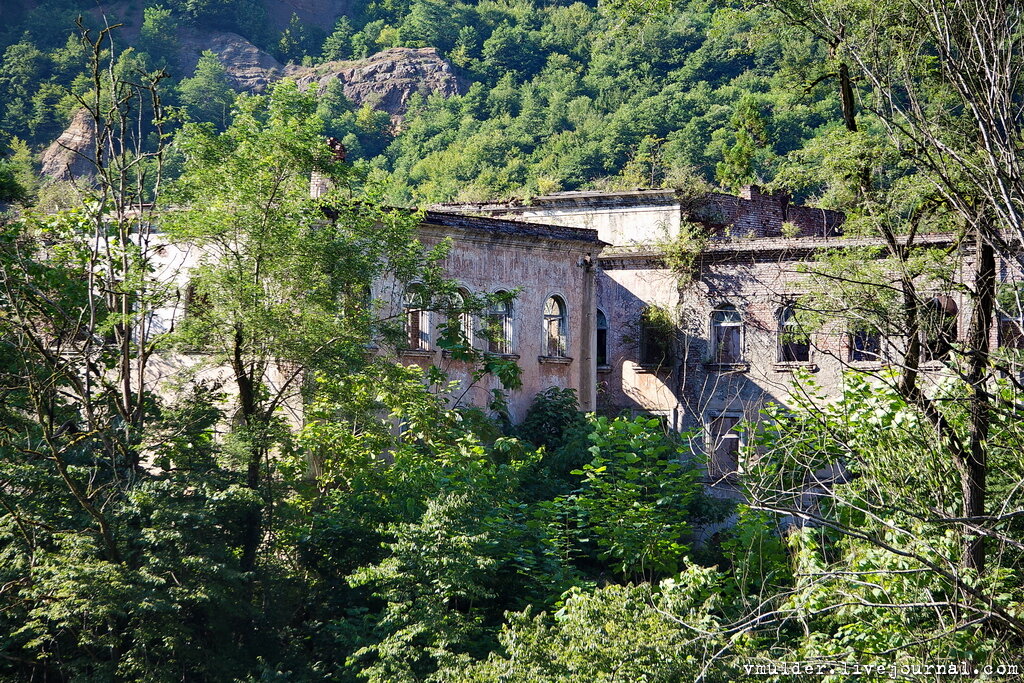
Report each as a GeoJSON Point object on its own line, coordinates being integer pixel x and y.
{"type": "Point", "coordinates": [385, 80]}
{"type": "Point", "coordinates": [248, 66]}
{"type": "Point", "coordinates": [73, 153]}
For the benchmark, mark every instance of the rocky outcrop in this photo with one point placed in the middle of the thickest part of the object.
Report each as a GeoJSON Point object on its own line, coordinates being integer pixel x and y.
{"type": "Point", "coordinates": [249, 67]}
{"type": "Point", "coordinates": [73, 153]}
{"type": "Point", "coordinates": [385, 80]}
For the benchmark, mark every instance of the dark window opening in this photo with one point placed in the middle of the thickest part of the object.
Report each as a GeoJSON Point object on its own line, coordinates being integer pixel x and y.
{"type": "Point", "coordinates": [794, 342]}
{"type": "Point", "coordinates": [555, 327]}
{"type": "Point", "coordinates": [726, 335]}
{"type": "Point", "coordinates": [865, 345]}
{"type": "Point", "coordinates": [602, 339]}
{"type": "Point", "coordinates": [655, 343]}
{"type": "Point", "coordinates": [938, 328]}
{"type": "Point", "coordinates": [499, 327]}
{"type": "Point", "coordinates": [724, 446]}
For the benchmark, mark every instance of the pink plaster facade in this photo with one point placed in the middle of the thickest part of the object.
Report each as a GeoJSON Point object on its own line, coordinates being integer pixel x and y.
{"type": "Point", "coordinates": [538, 262]}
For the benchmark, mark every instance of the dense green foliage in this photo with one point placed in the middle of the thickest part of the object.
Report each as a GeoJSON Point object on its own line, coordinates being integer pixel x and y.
{"type": "Point", "coordinates": [559, 96]}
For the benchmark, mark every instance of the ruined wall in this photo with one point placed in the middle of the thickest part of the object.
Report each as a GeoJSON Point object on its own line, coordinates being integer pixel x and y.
{"type": "Point", "coordinates": [648, 217]}
{"type": "Point", "coordinates": [537, 262]}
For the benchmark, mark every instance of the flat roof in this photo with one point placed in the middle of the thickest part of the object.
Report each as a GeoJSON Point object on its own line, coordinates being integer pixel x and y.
{"type": "Point", "coordinates": [512, 228]}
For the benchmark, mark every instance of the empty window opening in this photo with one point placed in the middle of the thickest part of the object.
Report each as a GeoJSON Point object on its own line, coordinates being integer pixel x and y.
{"type": "Point", "coordinates": [602, 339]}
{"type": "Point", "coordinates": [794, 342]}
{"type": "Point", "coordinates": [724, 445]}
{"type": "Point", "coordinates": [726, 334]}
{"type": "Point", "coordinates": [655, 339]}
{"type": "Point", "coordinates": [555, 327]}
{"type": "Point", "coordinates": [417, 322]}
{"type": "Point", "coordinates": [865, 345]}
{"type": "Point", "coordinates": [499, 326]}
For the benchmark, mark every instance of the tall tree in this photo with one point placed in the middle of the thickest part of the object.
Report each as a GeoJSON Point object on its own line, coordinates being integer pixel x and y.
{"type": "Point", "coordinates": [281, 287]}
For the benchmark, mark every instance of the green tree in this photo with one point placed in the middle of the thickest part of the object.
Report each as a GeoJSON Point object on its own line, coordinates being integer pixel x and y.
{"type": "Point", "coordinates": [273, 268]}
{"type": "Point", "coordinates": [339, 44]}
{"type": "Point", "coordinates": [208, 95]}
{"type": "Point", "coordinates": [295, 41]}
{"type": "Point", "coordinates": [159, 36]}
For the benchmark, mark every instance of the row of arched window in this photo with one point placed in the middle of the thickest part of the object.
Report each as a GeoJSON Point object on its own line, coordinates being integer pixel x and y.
{"type": "Point", "coordinates": [496, 323]}
{"type": "Point", "coordinates": [939, 318]}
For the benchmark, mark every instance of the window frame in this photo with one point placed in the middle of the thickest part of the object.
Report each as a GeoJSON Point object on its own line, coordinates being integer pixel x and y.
{"type": "Point", "coordinates": [413, 309]}
{"type": "Point", "coordinates": [715, 334]}
{"type": "Point", "coordinates": [869, 356]}
{"type": "Point", "coordinates": [712, 442]}
{"type": "Point", "coordinates": [501, 319]}
{"type": "Point", "coordinates": [786, 318]}
{"type": "Point", "coordinates": [560, 320]}
{"type": "Point", "coordinates": [601, 340]}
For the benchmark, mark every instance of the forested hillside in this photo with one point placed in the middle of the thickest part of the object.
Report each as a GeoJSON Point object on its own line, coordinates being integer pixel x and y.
{"type": "Point", "coordinates": [555, 97]}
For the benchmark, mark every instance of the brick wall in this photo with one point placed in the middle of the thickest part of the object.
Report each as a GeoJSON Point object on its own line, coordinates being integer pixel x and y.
{"type": "Point", "coordinates": [758, 214]}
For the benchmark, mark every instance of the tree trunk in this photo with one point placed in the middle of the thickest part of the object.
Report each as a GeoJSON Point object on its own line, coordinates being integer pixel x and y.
{"type": "Point", "coordinates": [846, 97]}
{"type": "Point", "coordinates": [252, 529]}
{"type": "Point", "coordinates": [973, 472]}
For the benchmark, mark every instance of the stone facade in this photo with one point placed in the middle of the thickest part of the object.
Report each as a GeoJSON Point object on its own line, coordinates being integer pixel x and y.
{"type": "Point", "coordinates": [725, 353]}
{"type": "Point", "coordinates": [540, 263]}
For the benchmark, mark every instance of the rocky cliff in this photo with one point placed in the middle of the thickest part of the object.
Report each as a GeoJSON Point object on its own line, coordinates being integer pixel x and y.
{"type": "Point", "coordinates": [71, 155]}
{"type": "Point", "coordinates": [249, 67]}
{"type": "Point", "coordinates": [385, 80]}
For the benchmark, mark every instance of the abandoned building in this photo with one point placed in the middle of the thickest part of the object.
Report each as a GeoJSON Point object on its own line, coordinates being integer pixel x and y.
{"type": "Point", "coordinates": [647, 302]}
{"type": "Point", "coordinates": [696, 318]}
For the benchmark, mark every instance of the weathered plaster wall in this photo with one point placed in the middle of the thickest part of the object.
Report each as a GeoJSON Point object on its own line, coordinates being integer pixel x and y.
{"type": "Point", "coordinates": [539, 264]}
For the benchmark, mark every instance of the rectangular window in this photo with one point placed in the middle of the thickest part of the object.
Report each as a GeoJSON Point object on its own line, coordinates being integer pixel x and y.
{"type": "Point", "coordinates": [1011, 333]}
{"type": "Point", "coordinates": [794, 341]}
{"type": "Point", "coordinates": [417, 330]}
{"type": "Point", "coordinates": [724, 444]}
{"type": "Point", "coordinates": [726, 335]}
{"type": "Point", "coordinates": [865, 345]}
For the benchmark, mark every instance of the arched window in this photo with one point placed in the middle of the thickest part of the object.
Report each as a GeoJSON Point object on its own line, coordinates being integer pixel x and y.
{"type": "Point", "coordinates": [938, 327]}
{"type": "Point", "coordinates": [556, 327]}
{"type": "Point", "coordinates": [499, 326]}
{"type": "Point", "coordinates": [794, 342]}
{"type": "Point", "coordinates": [726, 334]}
{"type": "Point", "coordinates": [602, 339]}
{"type": "Point", "coordinates": [417, 321]}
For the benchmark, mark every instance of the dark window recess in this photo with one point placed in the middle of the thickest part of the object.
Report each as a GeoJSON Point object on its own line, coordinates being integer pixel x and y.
{"type": "Point", "coordinates": [865, 345]}
{"type": "Point", "coordinates": [602, 339]}
{"type": "Point", "coordinates": [794, 342]}
{"type": "Point", "coordinates": [726, 335]}
{"type": "Point", "coordinates": [724, 446]}
{"type": "Point", "coordinates": [655, 345]}
{"type": "Point", "coordinates": [938, 328]}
